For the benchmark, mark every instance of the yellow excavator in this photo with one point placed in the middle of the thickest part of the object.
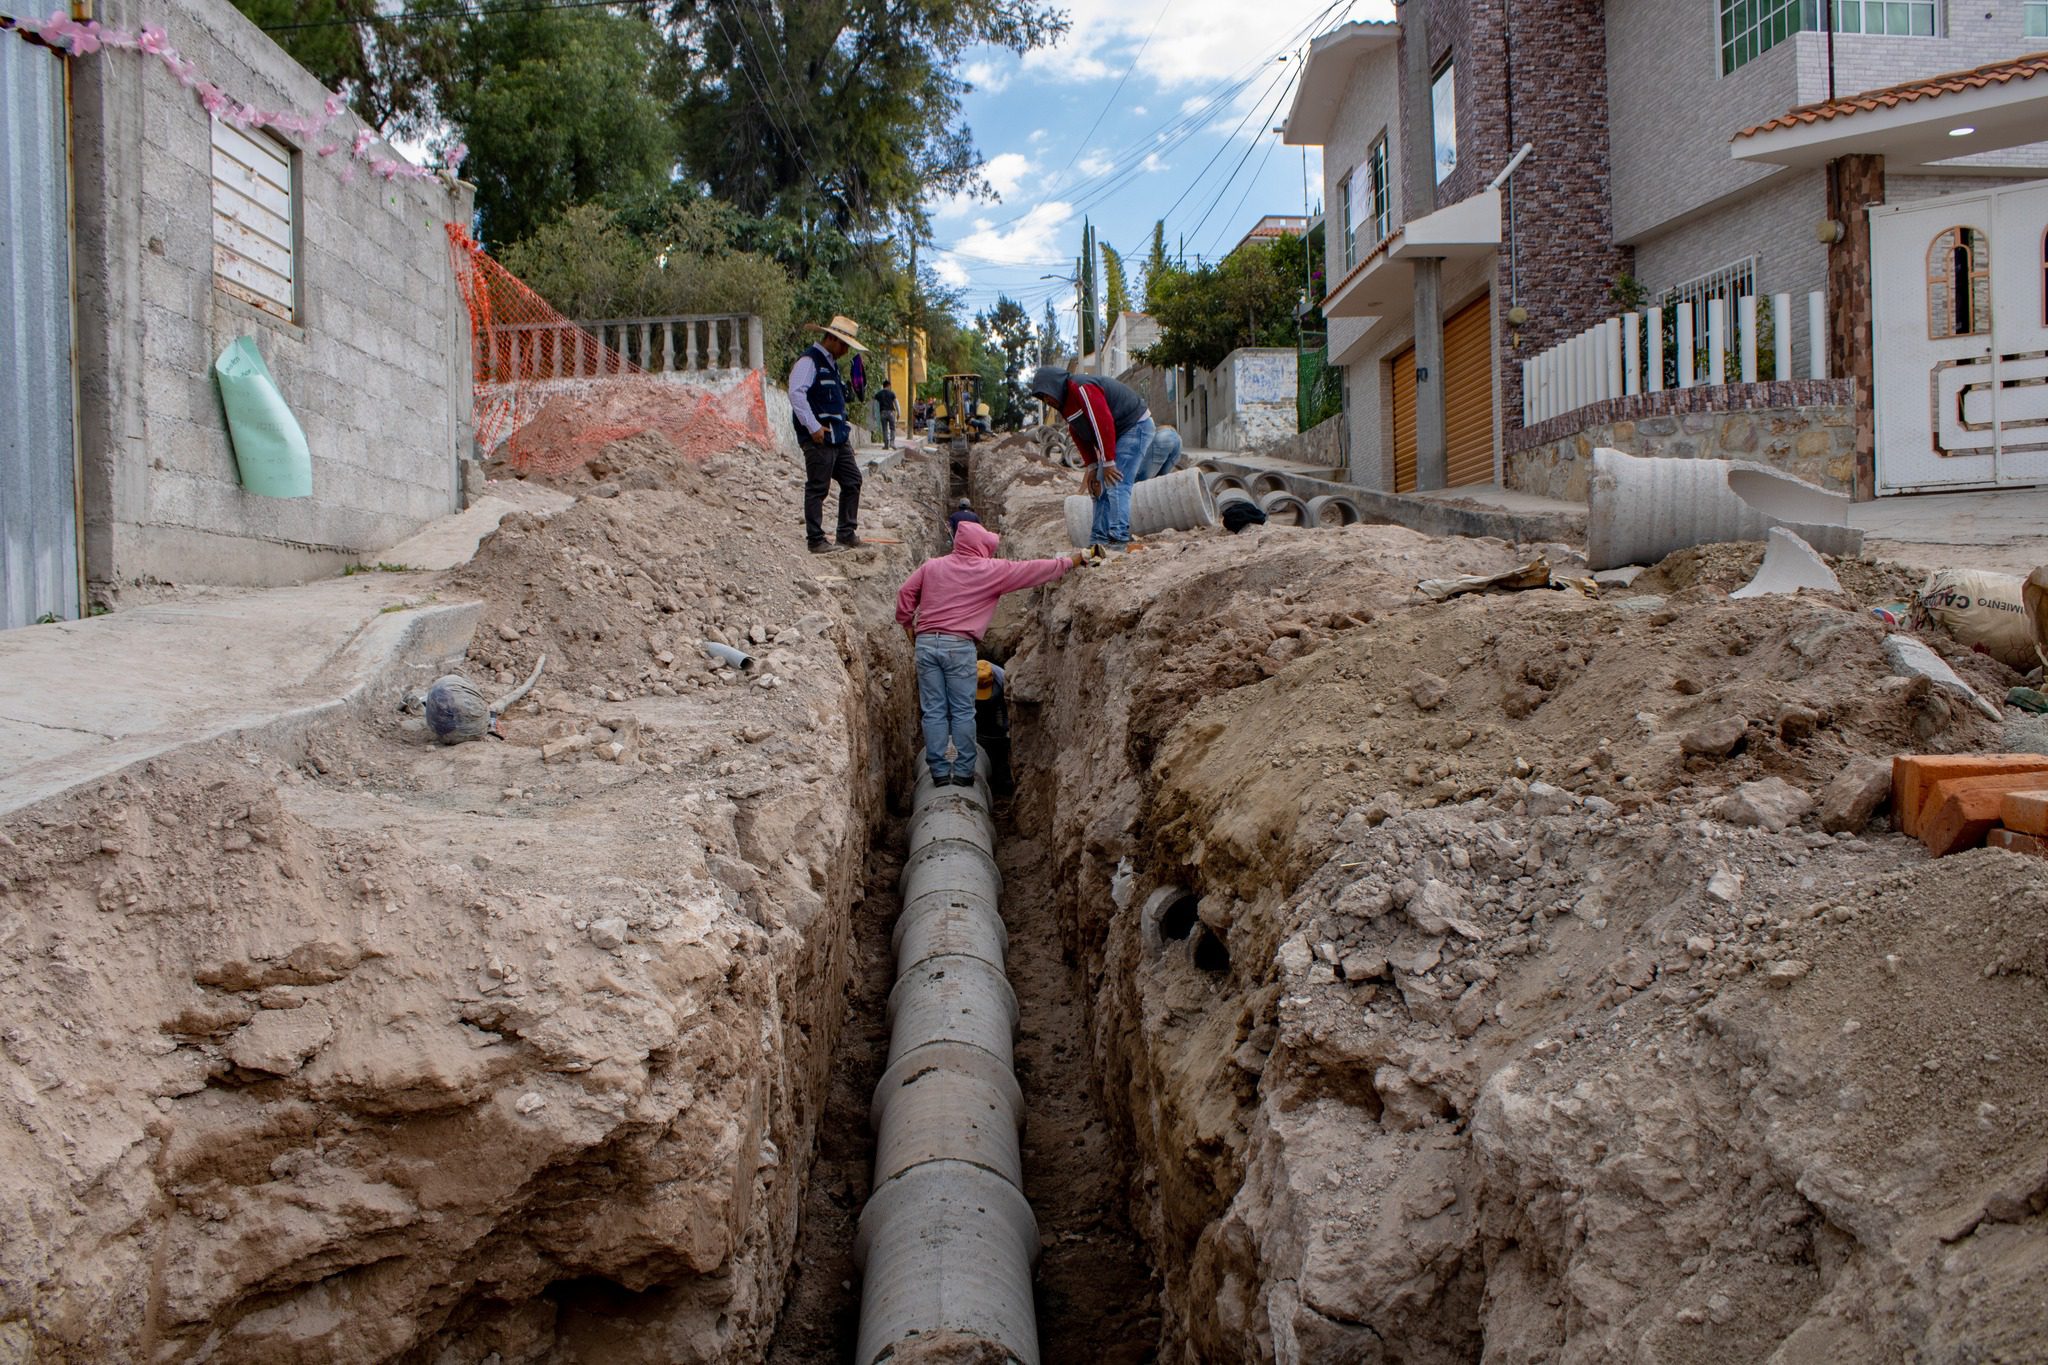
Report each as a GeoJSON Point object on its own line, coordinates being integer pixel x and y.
{"type": "Point", "coordinates": [960, 417]}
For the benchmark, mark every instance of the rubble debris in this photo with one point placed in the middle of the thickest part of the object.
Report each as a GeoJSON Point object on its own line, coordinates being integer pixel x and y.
{"type": "Point", "coordinates": [1537, 573]}
{"type": "Point", "coordinates": [1770, 803]}
{"type": "Point", "coordinates": [1911, 659]}
{"type": "Point", "coordinates": [1789, 565]}
{"type": "Point", "coordinates": [1852, 798]}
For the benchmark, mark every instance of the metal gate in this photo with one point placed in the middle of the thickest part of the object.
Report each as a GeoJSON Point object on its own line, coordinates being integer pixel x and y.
{"type": "Point", "coordinates": [39, 564]}
{"type": "Point", "coordinates": [1959, 322]}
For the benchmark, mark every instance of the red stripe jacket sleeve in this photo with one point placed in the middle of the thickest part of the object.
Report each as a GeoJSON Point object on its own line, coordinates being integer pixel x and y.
{"type": "Point", "coordinates": [1092, 425]}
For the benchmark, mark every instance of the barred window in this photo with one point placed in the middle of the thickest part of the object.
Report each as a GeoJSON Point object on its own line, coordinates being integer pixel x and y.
{"type": "Point", "coordinates": [1750, 28]}
{"type": "Point", "coordinates": [1382, 191]}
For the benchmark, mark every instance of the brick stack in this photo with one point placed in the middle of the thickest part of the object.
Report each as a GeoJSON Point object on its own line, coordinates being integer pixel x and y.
{"type": "Point", "coordinates": [1952, 802]}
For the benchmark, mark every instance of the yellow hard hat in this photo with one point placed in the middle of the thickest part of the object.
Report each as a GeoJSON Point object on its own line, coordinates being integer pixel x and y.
{"type": "Point", "coordinates": [984, 680]}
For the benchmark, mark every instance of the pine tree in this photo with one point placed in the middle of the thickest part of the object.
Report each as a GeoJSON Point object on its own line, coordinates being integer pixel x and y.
{"type": "Point", "coordinates": [1116, 293]}
{"type": "Point", "coordinates": [1155, 262]}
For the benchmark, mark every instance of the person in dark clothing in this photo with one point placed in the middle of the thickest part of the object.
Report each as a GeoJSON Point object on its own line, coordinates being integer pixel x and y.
{"type": "Point", "coordinates": [992, 725]}
{"type": "Point", "coordinates": [817, 403]}
{"type": "Point", "coordinates": [964, 512]}
{"type": "Point", "coordinates": [885, 408]}
{"type": "Point", "coordinates": [1113, 430]}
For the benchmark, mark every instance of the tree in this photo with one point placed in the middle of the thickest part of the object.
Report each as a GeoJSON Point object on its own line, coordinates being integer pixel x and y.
{"type": "Point", "coordinates": [558, 108]}
{"type": "Point", "coordinates": [1007, 328]}
{"type": "Point", "coordinates": [382, 62]}
{"type": "Point", "coordinates": [1049, 352]}
{"type": "Point", "coordinates": [1247, 299]}
{"type": "Point", "coordinates": [844, 111]}
{"type": "Point", "coordinates": [1115, 292]}
{"type": "Point", "coordinates": [1155, 260]}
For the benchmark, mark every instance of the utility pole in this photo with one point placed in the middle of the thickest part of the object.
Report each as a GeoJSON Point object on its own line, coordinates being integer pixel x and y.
{"type": "Point", "coordinates": [1420, 145]}
{"type": "Point", "coordinates": [910, 342]}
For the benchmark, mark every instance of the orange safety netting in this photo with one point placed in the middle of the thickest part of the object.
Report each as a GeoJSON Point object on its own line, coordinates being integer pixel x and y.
{"type": "Point", "coordinates": [548, 394]}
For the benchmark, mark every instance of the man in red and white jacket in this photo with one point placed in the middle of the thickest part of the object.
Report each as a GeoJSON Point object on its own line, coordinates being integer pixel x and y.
{"type": "Point", "coordinates": [1114, 433]}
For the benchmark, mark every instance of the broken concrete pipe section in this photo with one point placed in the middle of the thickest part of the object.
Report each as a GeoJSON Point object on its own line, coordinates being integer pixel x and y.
{"type": "Point", "coordinates": [947, 1241]}
{"type": "Point", "coordinates": [1639, 510]}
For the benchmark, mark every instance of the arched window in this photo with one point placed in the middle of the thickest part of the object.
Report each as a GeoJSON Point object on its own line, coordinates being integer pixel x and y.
{"type": "Point", "coordinates": [1959, 283]}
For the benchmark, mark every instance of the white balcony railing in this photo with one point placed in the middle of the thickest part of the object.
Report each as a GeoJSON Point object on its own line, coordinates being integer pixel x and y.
{"type": "Point", "coordinates": [588, 350]}
{"type": "Point", "coordinates": [1631, 354]}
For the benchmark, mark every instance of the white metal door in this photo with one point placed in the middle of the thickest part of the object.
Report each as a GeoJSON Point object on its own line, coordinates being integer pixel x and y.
{"type": "Point", "coordinates": [1934, 370]}
{"type": "Point", "coordinates": [2019, 331]}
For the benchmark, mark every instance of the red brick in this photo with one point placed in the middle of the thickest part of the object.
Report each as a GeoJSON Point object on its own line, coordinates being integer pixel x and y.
{"type": "Point", "coordinates": [2012, 841]}
{"type": "Point", "coordinates": [1960, 811]}
{"type": "Point", "coordinates": [2025, 812]}
{"type": "Point", "coordinates": [1914, 775]}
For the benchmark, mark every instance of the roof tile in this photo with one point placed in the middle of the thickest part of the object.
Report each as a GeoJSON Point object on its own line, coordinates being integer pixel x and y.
{"type": "Point", "coordinates": [1892, 96]}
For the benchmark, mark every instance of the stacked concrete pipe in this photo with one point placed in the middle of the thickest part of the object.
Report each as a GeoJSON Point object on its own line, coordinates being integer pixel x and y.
{"type": "Point", "coordinates": [1179, 501]}
{"type": "Point", "coordinates": [947, 1240]}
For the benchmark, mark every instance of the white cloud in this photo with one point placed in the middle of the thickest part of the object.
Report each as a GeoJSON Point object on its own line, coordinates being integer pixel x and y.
{"type": "Point", "coordinates": [1139, 111]}
{"type": "Point", "coordinates": [1093, 162]}
{"type": "Point", "coordinates": [1032, 239]}
{"type": "Point", "coordinates": [1153, 164]}
{"type": "Point", "coordinates": [990, 78]}
{"type": "Point", "coordinates": [1038, 135]}
{"type": "Point", "coordinates": [1195, 41]}
{"type": "Point", "coordinates": [1006, 172]}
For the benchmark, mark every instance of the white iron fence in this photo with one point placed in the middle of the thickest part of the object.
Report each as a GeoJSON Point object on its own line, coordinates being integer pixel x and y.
{"type": "Point", "coordinates": [1656, 349]}
{"type": "Point", "coordinates": [670, 345]}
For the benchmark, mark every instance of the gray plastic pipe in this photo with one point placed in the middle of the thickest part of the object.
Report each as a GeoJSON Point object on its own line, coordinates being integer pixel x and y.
{"type": "Point", "coordinates": [1180, 501]}
{"type": "Point", "coordinates": [726, 654]}
{"type": "Point", "coordinates": [947, 1240]}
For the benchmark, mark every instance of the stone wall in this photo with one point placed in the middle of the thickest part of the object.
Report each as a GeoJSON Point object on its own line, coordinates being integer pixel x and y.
{"type": "Point", "coordinates": [1320, 447]}
{"type": "Point", "coordinates": [374, 364]}
{"type": "Point", "coordinates": [1804, 427]}
{"type": "Point", "coordinates": [1255, 403]}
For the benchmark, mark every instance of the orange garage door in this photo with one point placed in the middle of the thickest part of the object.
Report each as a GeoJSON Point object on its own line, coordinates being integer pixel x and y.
{"type": "Point", "coordinates": [1468, 402]}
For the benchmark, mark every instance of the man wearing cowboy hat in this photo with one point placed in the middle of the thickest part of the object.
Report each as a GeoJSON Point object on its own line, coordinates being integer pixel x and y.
{"type": "Point", "coordinates": [817, 400]}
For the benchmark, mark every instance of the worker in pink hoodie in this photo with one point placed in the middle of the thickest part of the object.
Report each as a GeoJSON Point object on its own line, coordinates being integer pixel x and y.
{"type": "Point", "coordinates": [945, 607]}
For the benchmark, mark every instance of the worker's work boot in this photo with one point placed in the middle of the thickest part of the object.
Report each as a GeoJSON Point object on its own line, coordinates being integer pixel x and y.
{"type": "Point", "coordinates": [825, 547]}
{"type": "Point", "coordinates": [853, 542]}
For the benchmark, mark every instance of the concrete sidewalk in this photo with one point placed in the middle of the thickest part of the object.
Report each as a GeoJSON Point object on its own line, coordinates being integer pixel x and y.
{"type": "Point", "coordinates": [83, 699]}
{"type": "Point", "coordinates": [2006, 531]}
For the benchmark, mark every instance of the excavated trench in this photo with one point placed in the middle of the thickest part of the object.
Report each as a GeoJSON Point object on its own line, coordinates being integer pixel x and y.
{"type": "Point", "coordinates": [1095, 1295]}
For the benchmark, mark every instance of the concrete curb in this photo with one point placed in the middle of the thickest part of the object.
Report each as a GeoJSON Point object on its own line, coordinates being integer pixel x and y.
{"type": "Point", "coordinates": [393, 649]}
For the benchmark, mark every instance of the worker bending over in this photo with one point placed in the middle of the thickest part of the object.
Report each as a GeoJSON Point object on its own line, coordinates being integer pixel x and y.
{"type": "Point", "coordinates": [992, 725]}
{"type": "Point", "coordinates": [1114, 432]}
{"type": "Point", "coordinates": [945, 607]}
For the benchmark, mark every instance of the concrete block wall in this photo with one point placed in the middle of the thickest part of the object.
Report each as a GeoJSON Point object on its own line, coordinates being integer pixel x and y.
{"type": "Point", "coordinates": [1255, 399]}
{"type": "Point", "coordinates": [1804, 428]}
{"type": "Point", "coordinates": [375, 365]}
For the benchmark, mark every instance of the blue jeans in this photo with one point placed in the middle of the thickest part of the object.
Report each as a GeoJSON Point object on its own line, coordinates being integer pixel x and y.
{"type": "Point", "coordinates": [1113, 505]}
{"type": "Point", "coordinates": [1165, 454]}
{"type": "Point", "coordinates": [945, 700]}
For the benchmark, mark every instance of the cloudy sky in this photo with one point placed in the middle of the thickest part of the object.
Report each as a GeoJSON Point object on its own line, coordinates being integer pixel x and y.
{"type": "Point", "coordinates": [1146, 110]}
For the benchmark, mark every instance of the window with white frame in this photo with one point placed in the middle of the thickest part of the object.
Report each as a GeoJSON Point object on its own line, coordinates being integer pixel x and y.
{"type": "Point", "coordinates": [1443, 111]}
{"type": "Point", "coordinates": [1347, 212]}
{"type": "Point", "coordinates": [255, 218]}
{"type": "Point", "coordinates": [1382, 191]}
{"type": "Point", "coordinates": [1750, 28]}
{"type": "Point", "coordinates": [2037, 18]}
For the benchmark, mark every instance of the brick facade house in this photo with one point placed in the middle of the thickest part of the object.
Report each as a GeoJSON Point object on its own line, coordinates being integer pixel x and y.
{"type": "Point", "coordinates": [1628, 109]}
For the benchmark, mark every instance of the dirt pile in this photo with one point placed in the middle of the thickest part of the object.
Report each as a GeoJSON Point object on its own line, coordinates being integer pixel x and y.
{"type": "Point", "coordinates": [1477, 978]}
{"type": "Point", "coordinates": [513, 1051]}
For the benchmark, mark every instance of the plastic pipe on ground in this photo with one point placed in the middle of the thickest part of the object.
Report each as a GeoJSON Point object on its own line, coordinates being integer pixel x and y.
{"type": "Point", "coordinates": [1639, 510]}
{"type": "Point", "coordinates": [726, 654]}
{"type": "Point", "coordinates": [947, 1239]}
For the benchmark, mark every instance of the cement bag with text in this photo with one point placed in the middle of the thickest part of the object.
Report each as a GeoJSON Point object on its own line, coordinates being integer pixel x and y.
{"type": "Point", "coordinates": [1986, 611]}
{"type": "Point", "coordinates": [270, 447]}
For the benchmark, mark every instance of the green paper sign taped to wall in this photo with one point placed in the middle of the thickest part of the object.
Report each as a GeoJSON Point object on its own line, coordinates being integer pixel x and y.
{"type": "Point", "coordinates": [270, 448]}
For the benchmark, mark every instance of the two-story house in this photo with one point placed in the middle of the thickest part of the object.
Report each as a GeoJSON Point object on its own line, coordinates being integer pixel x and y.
{"type": "Point", "coordinates": [1629, 194]}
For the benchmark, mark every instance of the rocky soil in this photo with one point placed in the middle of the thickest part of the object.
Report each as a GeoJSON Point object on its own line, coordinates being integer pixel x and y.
{"type": "Point", "coordinates": [514, 1051]}
{"type": "Point", "coordinates": [1525, 977]}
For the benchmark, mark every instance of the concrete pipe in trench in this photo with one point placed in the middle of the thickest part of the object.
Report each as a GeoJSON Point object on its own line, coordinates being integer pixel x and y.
{"type": "Point", "coordinates": [947, 1239]}
{"type": "Point", "coordinates": [1268, 482]}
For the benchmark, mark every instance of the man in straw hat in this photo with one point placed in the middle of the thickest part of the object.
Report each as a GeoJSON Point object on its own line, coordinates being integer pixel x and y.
{"type": "Point", "coordinates": [817, 400]}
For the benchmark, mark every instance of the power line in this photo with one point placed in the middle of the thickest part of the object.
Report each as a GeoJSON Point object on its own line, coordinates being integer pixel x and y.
{"type": "Point", "coordinates": [1249, 147]}
{"type": "Point", "coordinates": [1110, 103]}
{"type": "Point", "coordinates": [1249, 186]}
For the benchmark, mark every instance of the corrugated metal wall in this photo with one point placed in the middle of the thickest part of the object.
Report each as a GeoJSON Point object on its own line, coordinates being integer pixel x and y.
{"type": "Point", "coordinates": [38, 480]}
